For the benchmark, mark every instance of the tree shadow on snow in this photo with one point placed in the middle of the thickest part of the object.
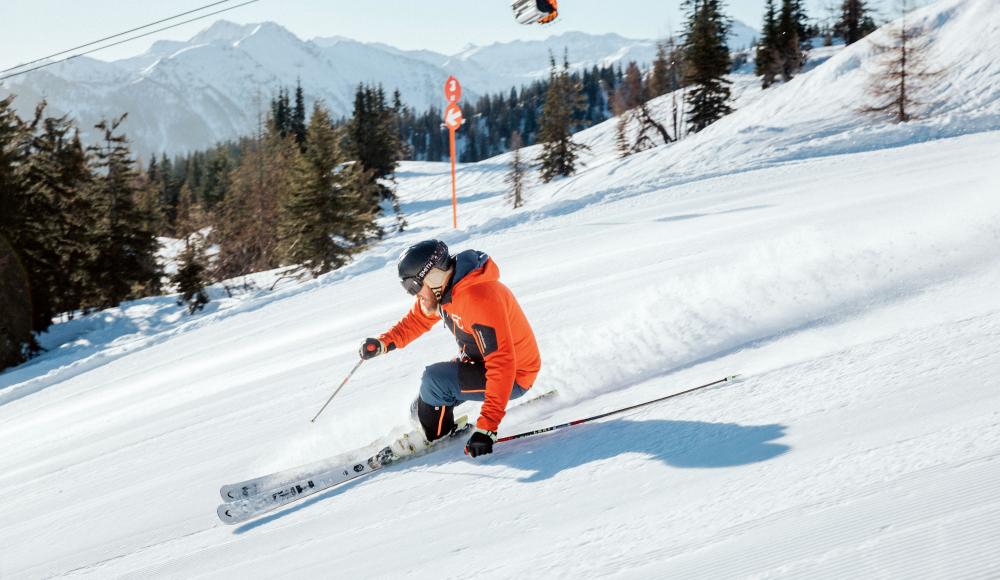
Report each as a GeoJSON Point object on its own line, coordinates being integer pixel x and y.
{"type": "Point", "coordinates": [683, 444]}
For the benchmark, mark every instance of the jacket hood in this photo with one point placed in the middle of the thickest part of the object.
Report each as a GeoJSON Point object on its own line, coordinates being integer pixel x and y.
{"type": "Point", "coordinates": [471, 267]}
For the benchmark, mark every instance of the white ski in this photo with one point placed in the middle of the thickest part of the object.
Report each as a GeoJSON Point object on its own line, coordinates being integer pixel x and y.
{"type": "Point", "coordinates": [338, 463]}
{"type": "Point", "coordinates": [263, 500]}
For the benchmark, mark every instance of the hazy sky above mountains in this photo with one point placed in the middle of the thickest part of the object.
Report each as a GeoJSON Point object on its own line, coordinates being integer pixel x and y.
{"type": "Point", "coordinates": [31, 29]}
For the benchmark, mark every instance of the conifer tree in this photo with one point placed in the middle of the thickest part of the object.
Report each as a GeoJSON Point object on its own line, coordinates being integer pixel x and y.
{"type": "Point", "coordinates": [281, 113]}
{"type": "Point", "coordinates": [372, 139]}
{"type": "Point", "coordinates": [559, 151]}
{"type": "Point", "coordinates": [148, 197]}
{"type": "Point", "coordinates": [16, 340]}
{"type": "Point", "coordinates": [372, 136]}
{"type": "Point", "coordinates": [328, 214]}
{"type": "Point", "coordinates": [631, 94]}
{"type": "Point", "coordinates": [789, 41]}
{"type": "Point", "coordinates": [802, 27]}
{"type": "Point", "coordinates": [191, 277]}
{"type": "Point", "coordinates": [855, 21]}
{"type": "Point", "coordinates": [660, 81]}
{"type": "Point", "coordinates": [768, 59]}
{"type": "Point", "coordinates": [216, 182]}
{"type": "Point", "coordinates": [12, 153]}
{"type": "Point", "coordinates": [122, 251]}
{"type": "Point", "coordinates": [516, 175]}
{"type": "Point", "coordinates": [632, 91]}
{"type": "Point", "coordinates": [707, 60]}
{"type": "Point", "coordinates": [246, 221]}
{"type": "Point", "coordinates": [169, 193]}
{"type": "Point", "coordinates": [15, 300]}
{"type": "Point", "coordinates": [54, 176]}
{"type": "Point", "coordinates": [36, 232]}
{"type": "Point", "coordinates": [298, 120]}
{"type": "Point", "coordinates": [190, 213]}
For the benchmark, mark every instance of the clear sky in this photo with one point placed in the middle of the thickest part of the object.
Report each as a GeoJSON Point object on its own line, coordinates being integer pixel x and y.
{"type": "Point", "coordinates": [30, 29]}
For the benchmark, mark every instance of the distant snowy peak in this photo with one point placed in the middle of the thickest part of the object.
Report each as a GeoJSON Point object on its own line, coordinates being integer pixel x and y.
{"type": "Point", "coordinates": [741, 36]}
{"type": "Point", "coordinates": [187, 95]}
{"type": "Point", "coordinates": [223, 31]}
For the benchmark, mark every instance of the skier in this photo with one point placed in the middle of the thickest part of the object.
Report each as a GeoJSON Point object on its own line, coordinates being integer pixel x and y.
{"type": "Point", "coordinates": [535, 11]}
{"type": "Point", "coordinates": [499, 357]}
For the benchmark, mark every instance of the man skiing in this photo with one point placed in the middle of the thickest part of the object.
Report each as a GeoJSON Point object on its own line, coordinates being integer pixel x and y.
{"type": "Point", "coordinates": [499, 357]}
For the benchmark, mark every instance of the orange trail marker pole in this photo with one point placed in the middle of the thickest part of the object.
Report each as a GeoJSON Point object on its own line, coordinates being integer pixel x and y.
{"type": "Point", "coordinates": [454, 189]}
{"type": "Point", "coordinates": [453, 120]}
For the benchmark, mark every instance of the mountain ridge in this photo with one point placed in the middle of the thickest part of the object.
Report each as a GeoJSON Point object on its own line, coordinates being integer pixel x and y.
{"type": "Point", "coordinates": [187, 95]}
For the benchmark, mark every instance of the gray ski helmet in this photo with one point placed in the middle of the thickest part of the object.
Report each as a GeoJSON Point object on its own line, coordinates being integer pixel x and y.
{"type": "Point", "coordinates": [415, 263]}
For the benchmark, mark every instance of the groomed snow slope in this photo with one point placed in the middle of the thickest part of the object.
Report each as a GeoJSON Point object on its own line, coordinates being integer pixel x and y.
{"type": "Point", "coordinates": [856, 290]}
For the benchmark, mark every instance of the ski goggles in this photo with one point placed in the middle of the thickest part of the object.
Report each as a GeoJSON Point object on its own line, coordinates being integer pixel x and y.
{"type": "Point", "coordinates": [412, 284]}
{"type": "Point", "coordinates": [435, 278]}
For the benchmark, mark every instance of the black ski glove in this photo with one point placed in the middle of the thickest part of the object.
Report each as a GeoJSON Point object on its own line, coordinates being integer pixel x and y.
{"type": "Point", "coordinates": [372, 347]}
{"type": "Point", "coordinates": [481, 443]}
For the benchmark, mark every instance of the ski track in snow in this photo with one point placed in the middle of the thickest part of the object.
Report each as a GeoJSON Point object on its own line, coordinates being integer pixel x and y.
{"type": "Point", "coordinates": [849, 270]}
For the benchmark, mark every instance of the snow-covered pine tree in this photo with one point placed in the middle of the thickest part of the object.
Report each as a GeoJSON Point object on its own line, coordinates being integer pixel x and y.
{"type": "Point", "coordinates": [298, 117]}
{"type": "Point", "coordinates": [169, 194]}
{"type": "Point", "coordinates": [15, 306]}
{"type": "Point", "coordinates": [855, 21]}
{"type": "Point", "coordinates": [12, 136]}
{"type": "Point", "coordinates": [559, 151]}
{"type": "Point", "coordinates": [627, 97]}
{"type": "Point", "coordinates": [148, 197]}
{"type": "Point", "coordinates": [805, 29]}
{"type": "Point", "coordinates": [517, 172]}
{"type": "Point", "coordinates": [372, 137]}
{"type": "Point", "coordinates": [659, 77]}
{"type": "Point", "coordinates": [190, 213]}
{"type": "Point", "coordinates": [15, 300]}
{"type": "Point", "coordinates": [192, 270]}
{"type": "Point", "coordinates": [54, 217]}
{"type": "Point", "coordinates": [789, 41]}
{"type": "Point", "coordinates": [216, 182]}
{"type": "Point", "coordinates": [281, 113]}
{"type": "Point", "coordinates": [122, 250]}
{"type": "Point", "coordinates": [707, 60]}
{"type": "Point", "coordinates": [768, 58]}
{"type": "Point", "coordinates": [327, 215]}
{"type": "Point", "coordinates": [191, 276]}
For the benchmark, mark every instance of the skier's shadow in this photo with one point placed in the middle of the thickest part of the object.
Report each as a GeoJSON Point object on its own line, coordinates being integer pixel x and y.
{"type": "Point", "coordinates": [684, 444]}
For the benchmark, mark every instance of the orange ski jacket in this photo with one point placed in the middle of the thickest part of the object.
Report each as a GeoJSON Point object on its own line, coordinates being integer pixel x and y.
{"type": "Point", "coordinates": [488, 325]}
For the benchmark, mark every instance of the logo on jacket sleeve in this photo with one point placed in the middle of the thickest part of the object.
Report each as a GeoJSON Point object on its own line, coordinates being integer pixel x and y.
{"type": "Point", "coordinates": [486, 338]}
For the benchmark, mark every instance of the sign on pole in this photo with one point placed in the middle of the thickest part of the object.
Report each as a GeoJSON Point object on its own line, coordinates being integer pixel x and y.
{"type": "Point", "coordinates": [453, 117]}
{"type": "Point", "coordinates": [452, 90]}
{"type": "Point", "coordinates": [453, 120]}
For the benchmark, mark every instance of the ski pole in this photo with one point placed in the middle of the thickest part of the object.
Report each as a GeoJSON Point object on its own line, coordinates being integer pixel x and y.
{"type": "Point", "coordinates": [729, 379]}
{"type": "Point", "coordinates": [313, 420]}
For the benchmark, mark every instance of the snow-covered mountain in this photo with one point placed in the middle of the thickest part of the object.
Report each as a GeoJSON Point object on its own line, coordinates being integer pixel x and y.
{"type": "Point", "coordinates": [741, 35]}
{"type": "Point", "coordinates": [187, 95]}
{"type": "Point", "coordinates": [847, 267]}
